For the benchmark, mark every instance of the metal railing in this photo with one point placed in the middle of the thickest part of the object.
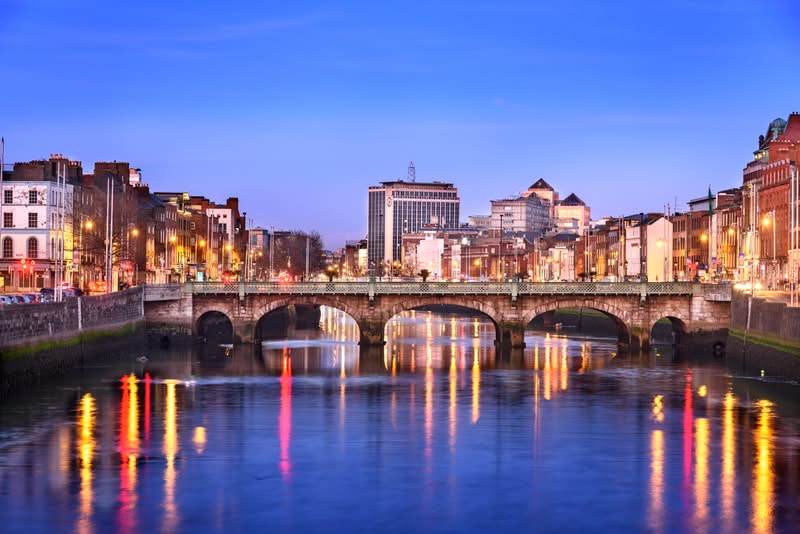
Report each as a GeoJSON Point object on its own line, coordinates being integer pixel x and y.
{"type": "Point", "coordinates": [170, 291]}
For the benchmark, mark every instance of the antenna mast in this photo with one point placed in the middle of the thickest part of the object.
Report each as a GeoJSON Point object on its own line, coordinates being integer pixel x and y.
{"type": "Point", "coordinates": [412, 172]}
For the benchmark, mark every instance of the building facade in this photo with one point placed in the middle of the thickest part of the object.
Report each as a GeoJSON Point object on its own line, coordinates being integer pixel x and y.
{"type": "Point", "coordinates": [398, 208]}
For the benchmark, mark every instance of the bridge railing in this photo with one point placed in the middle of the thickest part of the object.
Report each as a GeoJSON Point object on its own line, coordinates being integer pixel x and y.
{"type": "Point", "coordinates": [156, 292]}
{"type": "Point", "coordinates": [442, 288]}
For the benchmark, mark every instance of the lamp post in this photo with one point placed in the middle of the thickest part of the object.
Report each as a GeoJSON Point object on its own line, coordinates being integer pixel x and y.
{"type": "Point", "coordinates": [734, 235]}
{"type": "Point", "coordinates": [704, 239]}
{"type": "Point", "coordinates": [769, 218]}
{"type": "Point", "coordinates": [172, 240]}
{"type": "Point", "coordinates": [135, 234]}
{"type": "Point", "coordinates": [89, 225]}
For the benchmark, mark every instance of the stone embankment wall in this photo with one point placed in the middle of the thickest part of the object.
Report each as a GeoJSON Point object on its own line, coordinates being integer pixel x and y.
{"type": "Point", "coordinates": [23, 325]}
{"type": "Point", "coordinates": [772, 341]}
{"type": "Point", "coordinates": [37, 340]}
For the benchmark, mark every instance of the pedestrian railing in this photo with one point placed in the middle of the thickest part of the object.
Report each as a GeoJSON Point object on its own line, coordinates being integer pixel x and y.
{"type": "Point", "coordinates": [155, 292]}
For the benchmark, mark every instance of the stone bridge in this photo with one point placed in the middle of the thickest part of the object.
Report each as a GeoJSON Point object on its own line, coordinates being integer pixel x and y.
{"type": "Point", "coordinates": [693, 309]}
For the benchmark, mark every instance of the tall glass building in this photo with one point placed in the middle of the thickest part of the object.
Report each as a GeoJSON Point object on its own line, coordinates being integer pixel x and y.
{"type": "Point", "coordinates": [397, 208]}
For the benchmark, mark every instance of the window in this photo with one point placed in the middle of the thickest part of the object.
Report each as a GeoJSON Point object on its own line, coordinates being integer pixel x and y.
{"type": "Point", "coordinates": [8, 196]}
{"type": "Point", "coordinates": [33, 197]}
{"type": "Point", "coordinates": [33, 248]}
{"type": "Point", "coordinates": [33, 220]}
{"type": "Point", "coordinates": [8, 220]}
{"type": "Point", "coordinates": [8, 248]}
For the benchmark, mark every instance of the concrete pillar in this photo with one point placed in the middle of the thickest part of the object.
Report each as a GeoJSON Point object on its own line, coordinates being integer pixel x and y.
{"type": "Point", "coordinates": [371, 332]}
{"type": "Point", "coordinates": [244, 331]}
{"type": "Point", "coordinates": [370, 360]}
{"type": "Point", "coordinates": [640, 339]}
{"type": "Point", "coordinates": [512, 335]}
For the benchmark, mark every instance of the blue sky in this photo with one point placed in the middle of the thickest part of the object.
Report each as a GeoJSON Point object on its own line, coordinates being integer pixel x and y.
{"type": "Point", "coordinates": [297, 107]}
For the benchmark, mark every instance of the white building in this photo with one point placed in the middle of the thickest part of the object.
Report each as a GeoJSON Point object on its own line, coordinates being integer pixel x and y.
{"type": "Point", "coordinates": [30, 237]}
{"type": "Point", "coordinates": [649, 244]}
{"type": "Point", "coordinates": [429, 255]}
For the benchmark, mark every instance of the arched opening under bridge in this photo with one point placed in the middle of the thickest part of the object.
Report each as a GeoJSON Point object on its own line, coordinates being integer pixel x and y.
{"type": "Point", "coordinates": [578, 319]}
{"type": "Point", "coordinates": [306, 320]}
{"type": "Point", "coordinates": [215, 327]}
{"type": "Point", "coordinates": [669, 331]}
{"type": "Point", "coordinates": [433, 334]}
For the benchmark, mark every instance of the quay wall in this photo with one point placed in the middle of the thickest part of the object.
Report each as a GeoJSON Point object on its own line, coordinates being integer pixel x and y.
{"type": "Point", "coordinates": [48, 339]}
{"type": "Point", "coordinates": [771, 343]}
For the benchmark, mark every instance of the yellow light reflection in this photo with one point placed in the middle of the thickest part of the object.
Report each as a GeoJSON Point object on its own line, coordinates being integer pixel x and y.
{"type": "Point", "coordinates": [564, 368]}
{"type": "Point", "coordinates": [546, 372]}
{"type": "Point", "coordinates": [452, 408]}
{"type": "Point", "coordinates": [658, 408]}
{"type": "Point", "coordinates": [133, 415]}
{"type": "Point", "coordinates": [128, 447]}
{"type": "Point", "coordinates": [86, 446]}
{"type": "Point", "coordinates": [702, 391]}
{"type": "Point", "coordinates": [199, 439]}
{"type": "Point", "coordinates": [170, 450]}
{"type": "Point", "coordinates": [428, 412]}
{"type": "Point", "coordinates": [763, 477]}
{"type": "Point", "coordinates": [701, 446]}
{"type": "Point", "coordinates": [728, 463]}
{"type": "Point", "coordinates": [656, 519]}
{"type": "Point", "coordinates": [476, 386]}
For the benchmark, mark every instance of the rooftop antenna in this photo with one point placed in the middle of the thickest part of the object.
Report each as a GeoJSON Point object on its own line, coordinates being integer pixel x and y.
{"type": "Point", "coordinates": [412, 172]}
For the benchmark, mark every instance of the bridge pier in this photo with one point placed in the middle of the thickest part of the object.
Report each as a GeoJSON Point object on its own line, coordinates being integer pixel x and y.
{"type": "Point", "coordinates": [512, 335]}
{"type": "Point", "coordinates": [244, 331]}
{"type": "Point", "coordinates": [640, 339]}
{"type": "Point", "coordinates": [371, 332]}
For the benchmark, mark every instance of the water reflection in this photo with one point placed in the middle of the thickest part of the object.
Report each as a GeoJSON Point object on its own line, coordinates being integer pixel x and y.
{"type": "Point", "coordinates": [86, 447]}
{"type": "Point", "coordinates": [430, 424]}
{"type": "Point", "coordinates": [128, 450]}
{"type": "Point", "coordinates": [763, 483]}
{"type": "Point", "coordinates": [170, 451]}
{"type": "Point", "coordinates": [285, 418]}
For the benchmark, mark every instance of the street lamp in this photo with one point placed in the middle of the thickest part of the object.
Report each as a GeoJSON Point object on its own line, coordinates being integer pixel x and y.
{"type": "Point", "coordinates": [135, 234]}
{"type": "Point", "coordinates": [770, 218]}
{"type": "Point", "coordinates": [735, 262]}
{"type": "Point", "coordinates": [172, 240]}
{"type": "Point", "coordinates": [88, 225]}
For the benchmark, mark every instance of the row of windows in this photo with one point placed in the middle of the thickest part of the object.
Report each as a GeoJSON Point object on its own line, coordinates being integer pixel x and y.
{"type": "Point", "coordinates": [8, 196]}
{"type": "Point", "coordinates": [32, 250]}
{"type": "Point", "coordinates": [425, 194]}
{"type": "Point", "coordinates": [8, 220]}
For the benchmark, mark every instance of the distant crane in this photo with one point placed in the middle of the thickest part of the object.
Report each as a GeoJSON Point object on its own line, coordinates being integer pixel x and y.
{"type": "Point", "coordinates": [412, 172]}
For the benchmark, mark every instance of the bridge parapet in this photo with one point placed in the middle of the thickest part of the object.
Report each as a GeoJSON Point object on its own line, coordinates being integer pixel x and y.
{"type": "Point", "coordinates": [161, 292]}
{"type": "Point", "coordinates": [443, 288]}
{"type": "Point", "coordinates": [717, 292]}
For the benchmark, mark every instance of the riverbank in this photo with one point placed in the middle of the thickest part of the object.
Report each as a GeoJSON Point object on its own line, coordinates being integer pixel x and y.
{"type": "Point", "coordinates": [764, 337]}
{"type": "Point", "coordinates": [39, 341]}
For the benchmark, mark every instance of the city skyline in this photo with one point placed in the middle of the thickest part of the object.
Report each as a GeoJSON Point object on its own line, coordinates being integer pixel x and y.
{"type": "Point", "coordinates": [661, 101]}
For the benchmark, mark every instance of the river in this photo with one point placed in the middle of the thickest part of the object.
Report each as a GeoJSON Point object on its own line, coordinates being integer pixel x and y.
{"type": "Point", "coordinates": [436, 432]}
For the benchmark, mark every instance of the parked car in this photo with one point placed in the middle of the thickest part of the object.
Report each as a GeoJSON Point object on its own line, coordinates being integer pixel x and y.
{"type": "Point", "coordinates": [6, 300]}
{"type": "Point", "coordinates": [34, 298]}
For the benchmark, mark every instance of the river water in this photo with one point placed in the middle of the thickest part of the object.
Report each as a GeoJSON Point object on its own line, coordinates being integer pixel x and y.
{"type": "Point", "coordinates": [436, 432]}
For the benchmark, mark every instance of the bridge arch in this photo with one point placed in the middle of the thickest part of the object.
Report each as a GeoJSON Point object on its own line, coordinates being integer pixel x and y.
{"type": "Point", "coordinates": [678, 327]}
{"type": "Point", "coordinates": [621, 318]}
{"type": "Point", "coordinates": [214, 323]}
{"type": "Point", "coordinates": [262, 310]}
{"type": "Point", "coordinates": [485, 309]}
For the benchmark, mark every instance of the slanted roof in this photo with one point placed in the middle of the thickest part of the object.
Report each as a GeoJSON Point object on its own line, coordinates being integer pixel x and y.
{"type": "Point", "coordinates": [541, 184]}
{"type": "Point", "coordinates": [572, 200]}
